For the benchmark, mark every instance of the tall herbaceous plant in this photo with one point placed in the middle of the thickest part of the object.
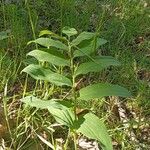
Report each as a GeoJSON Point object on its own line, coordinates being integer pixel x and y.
{"type": "Point", "coordinates": [62, 63]}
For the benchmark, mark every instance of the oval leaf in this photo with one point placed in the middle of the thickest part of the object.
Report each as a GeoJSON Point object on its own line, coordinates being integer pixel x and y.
{"type": "Point", "coordinates": [92, 127]}
{"type": "Point", "coordinates": [63, 116]}
{"type": "Point", "coordinates": [87, 47]}
{"type": "Point", "coordinates": [52, 34]}
{"type": "Point", "coordinates": [45, 56]}
{"type": "Point", "coordinates": [39, 73]}
{"type": "Point", "coordinates": [101, 90]}
{"type": "Point", "coordinates": [46, 32]}
{"type": "Point", "coordinates": [97, 65]}
{"type": "Point", "coordinates": [45, 104]}
{"type": "Point", "coordinates": [47, 42]}
{"type": "Point", "coordinates": [57, 108]}
{"type": "Point", "coordinates": [69, 31]}
{"type": "Point", "coordinates": [38, 103]}
{"type": "Point", "coordinates": [82, 37]}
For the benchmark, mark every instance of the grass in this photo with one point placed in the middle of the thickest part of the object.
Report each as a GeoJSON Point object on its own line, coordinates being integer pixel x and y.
{"type": "Point", "coordinates": [125, 24]}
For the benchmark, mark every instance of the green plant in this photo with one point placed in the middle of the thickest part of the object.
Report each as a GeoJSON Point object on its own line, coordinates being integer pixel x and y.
{"type": "Point", "coordinates": [62, 63]}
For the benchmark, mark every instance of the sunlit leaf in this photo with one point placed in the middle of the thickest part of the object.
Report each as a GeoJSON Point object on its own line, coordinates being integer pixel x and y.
{"type": "Point", "coordinates": [87, 47]}
{"type": "Point", "coordinates": [69, 31]}
{"type": "Point", "coordinates": [45, 104]}
{"type": "Point", "coordinates": [52, 34]}
{"type": "Point", "coordinates": [38, 103]}
{"type": "Point", "coordinates": [46, 32]}
{"type": "Point", "coordinates": [64, 116]}
{"type": "Point", "coordinates": [45, 56]}
{"type": "Point", "coordinates": [92, 127]}
{"type": "Point", "coordinates": [101, 90]}
{"type": "Point", "coordinates": [39, 73]}
{"type": "Point", "coordinates": [47, 42]}
{"type": "Point", "coordinates": [82, 37]}
{"type": "Point", "coordinates": [58, 108]}
{"type": "Point", "coordinates": [97, 65]}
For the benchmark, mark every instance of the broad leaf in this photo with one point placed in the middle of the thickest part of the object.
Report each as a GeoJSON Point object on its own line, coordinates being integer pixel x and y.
{"type": "Point", "coordinates": [52, 34]}
{"type": "Point", "coordinates": [97, 65]}
{"type": "Point", "coordinates": [39, 73]}
{"type": "Point", "coordinates": [57, 108]}
{"type": "Point", "coordinates": [40, 104]}
{"type": "Point", "coordinates": [101, 90]}
{"type": "Point", "coordinates": [69, 31]}
{"type": "Point", "coordinates": [54, 51]}
{"type": "Point", "coordinates": [87, 47]}
{"type": "Point", "coordinates": [47, 42]}
{"type": "Point", "coordinates": [82, 37]}
{"type": "Point", "coordinates": [45, 104]}
{"type": "Point", "coordinates": [45, 56]}
{"type": "Point", "coordinates": [46, 32]}
{"type": "Point", "coordinates": [92, 127]}
{"type": "Point", "coordinates": [64, 116]}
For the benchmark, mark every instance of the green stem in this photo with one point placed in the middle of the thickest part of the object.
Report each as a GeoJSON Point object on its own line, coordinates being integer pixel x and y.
{"type": "Point", "coordinates": [73, 79]}
{"type": "Point", "coordinates": [75, 141]}
{"type": "Point", "coordinates": [67, 140]}
{"type": "Point", "coordinates": [31, 22]}
{"type": "Point", "coordinates": [61, 14]}
{"type": "Point", "coordinates": [100, 24]}
{"type": "Point", "coordinates": [6, 112]}
{"type": "Point", "coordinates": [25, 85]}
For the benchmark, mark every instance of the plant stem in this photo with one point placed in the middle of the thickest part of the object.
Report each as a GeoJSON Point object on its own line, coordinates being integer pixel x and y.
{"type": "Point", "coordinates": [100, 24]}
{"type": "Point", "coordinates": [73, 79]}
{"type": "Point", "coordinates": [75, 141]}
{"type": "Point", "coordinates": [25, 85]}
{"type": "Point", "coordinates": [67, 140]}
{"type": "Point", "coordinates": [31, 22]}
{"type": "Point", "coordinates": [6, 112]}
{"type": "Point", "coordinates": [61, 14]}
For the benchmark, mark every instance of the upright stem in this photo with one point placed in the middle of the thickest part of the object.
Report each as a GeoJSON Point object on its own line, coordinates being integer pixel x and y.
{"type": "Point", "coordinates": [75, 141]}
{"type": "Point", "coordinates": [31, 22]}
{"type": "Point", "coordinates": [67, 140]}
{"type": "Point", "coordinates": [61, 13]}
{"type": "Point", "coordinates": [100, 24]}
{"type": "Point", "coordinates": [6, 113]}
{"type": "Point", "coordinates": [73, 79]}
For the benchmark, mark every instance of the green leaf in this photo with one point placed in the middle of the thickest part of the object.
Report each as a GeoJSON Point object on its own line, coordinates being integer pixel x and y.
{"type": "Point", "coordinates": [47, 42]}
{"type": "Point", "coordinates": [52, 34]}
{"type": "Point", "coordinates": [92, 127]}
{"type": "Point", "coordinates": [40, 104]}
{"type": "Point", "coordinates": [101, 90]}
{"type": "Point", "coordinates": [64, 116]}
{"type": "Point", "coordinates": [69, 31]}
{"type": "Point", "coordinates": [57, 108]}
{"type": "Point", "coordinates": [45, 56]}
{"type": "Point", "coordinates": [97, 65]}
{"type": "Point", "coordinates": [87, 47]}
{"type": "Point", "coordinates": [45, 104]}
{"type": "Point", "coordinates": [46, 32]}
{"type": "Point", "coordinates": [82, 37]}
{"type": "Point", "coordinates": [39, 73]}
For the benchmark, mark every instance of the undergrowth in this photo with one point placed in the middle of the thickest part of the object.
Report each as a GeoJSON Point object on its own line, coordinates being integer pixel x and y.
{"type": "Point", "coordinates": [125, 25]}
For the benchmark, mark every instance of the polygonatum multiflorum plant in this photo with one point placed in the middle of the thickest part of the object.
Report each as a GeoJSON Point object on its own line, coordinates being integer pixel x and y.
{"type": "Point", "coordinates": [62, 62]}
